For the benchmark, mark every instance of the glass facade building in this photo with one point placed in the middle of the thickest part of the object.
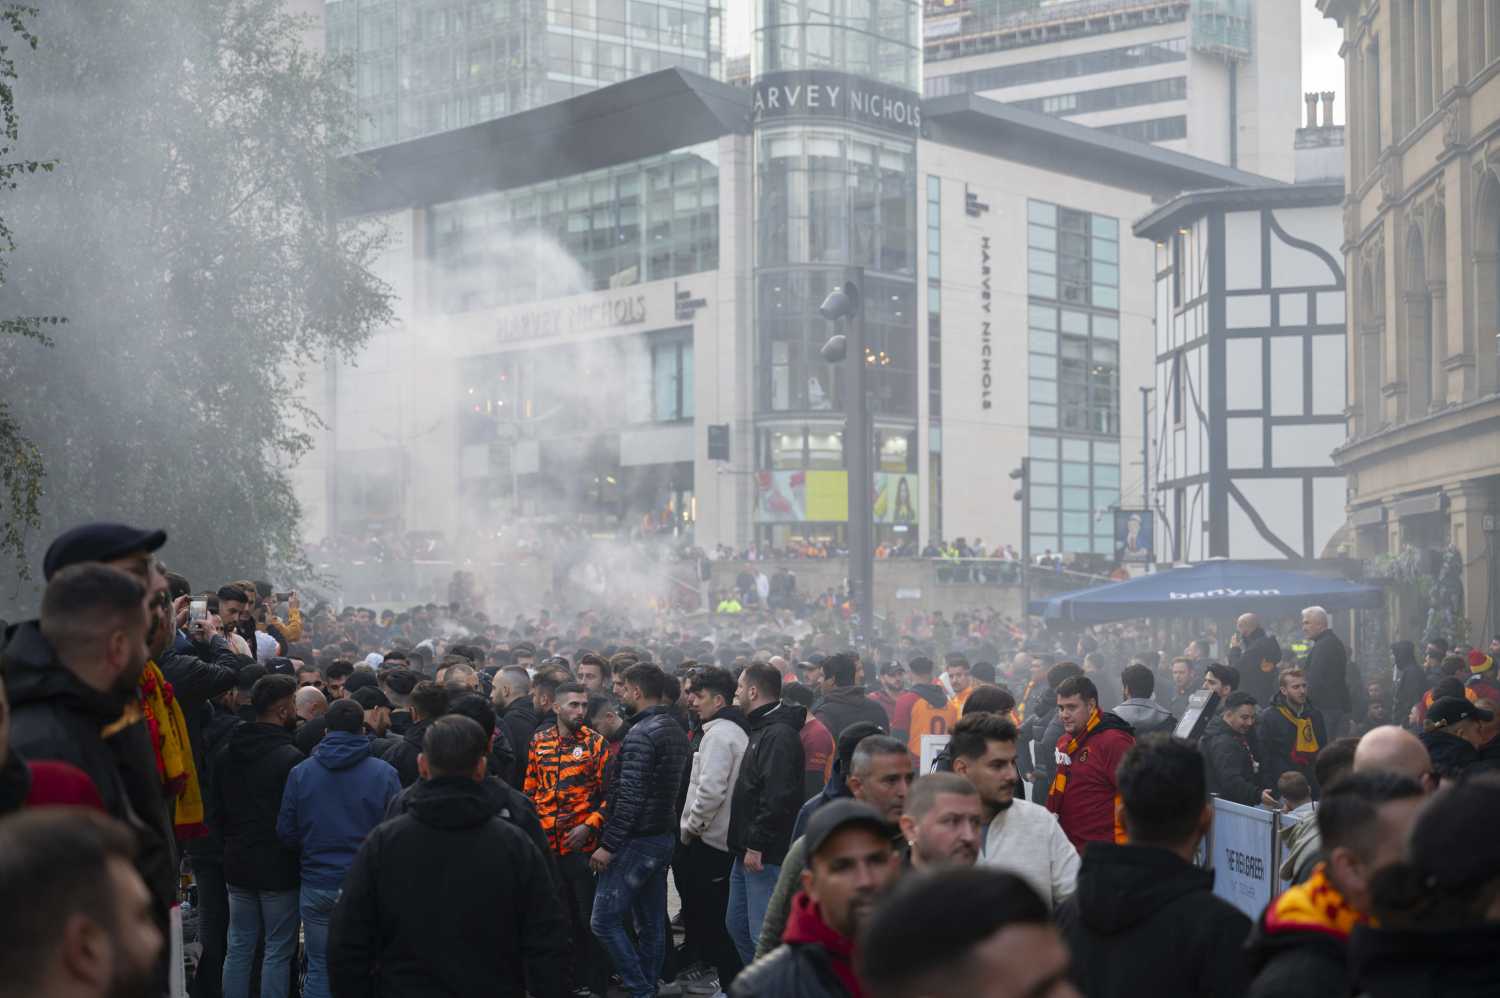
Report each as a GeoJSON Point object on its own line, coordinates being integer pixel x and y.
{"type": "Point", "coordinates": [647, 220]}
{"type": "Point", "coordinates": [1073, 335]}
{"type": "Point", "coordinates": [836, 124]}
{"type": "Point", "coordinates": [423, 66]}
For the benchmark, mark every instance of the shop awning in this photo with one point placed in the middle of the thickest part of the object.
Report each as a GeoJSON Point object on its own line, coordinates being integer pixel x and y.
{"type": "Point", "coordinates": [1217, 588]}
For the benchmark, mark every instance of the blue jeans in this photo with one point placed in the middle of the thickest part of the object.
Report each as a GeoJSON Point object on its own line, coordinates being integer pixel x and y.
{"type": "Point", "coordinates": [317, 905]}
{"type": "Point", "coordinates": [635, 883]}
{"type": "Point", "coordinates": [250, 914]}
{"type": "Point", "coordinates": [749, 897]}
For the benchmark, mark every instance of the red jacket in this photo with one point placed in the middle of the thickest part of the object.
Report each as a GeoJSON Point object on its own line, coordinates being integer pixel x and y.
{"type": "Point", "coordinates": [1085, 807]}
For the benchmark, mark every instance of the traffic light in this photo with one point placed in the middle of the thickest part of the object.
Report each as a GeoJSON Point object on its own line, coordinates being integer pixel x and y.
{"type": "Point", "coordinates": [718, 442]}
{"type": "Point", "coordinates": [1019, 474]}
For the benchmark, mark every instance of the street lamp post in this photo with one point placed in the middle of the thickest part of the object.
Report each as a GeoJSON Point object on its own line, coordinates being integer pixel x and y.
{"type": "Point", "coordinates": [1023, 496]}
{"type": "Point", "coordinates": [847, 302]}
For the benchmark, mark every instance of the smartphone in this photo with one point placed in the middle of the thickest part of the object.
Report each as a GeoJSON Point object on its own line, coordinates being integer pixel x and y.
{"type": "Point", "coordinates": [197, 610]}
{"type": "Point", "coordinates": [281, 597]}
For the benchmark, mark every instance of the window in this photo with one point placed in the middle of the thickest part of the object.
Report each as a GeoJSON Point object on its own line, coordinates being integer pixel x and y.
{"type": "Point", "coordinates": [653, 219]}
{"type": "Point", "coordinates": [671, 381]}
{"type": "Point", "coordinates": [1109, 98]}
{"type": "Point", "coordinates": [1075, 482]}
{"type": "Point", "coordinates": [1152, 130]}
{"type": "Point", "coordinates": [1060, 68]}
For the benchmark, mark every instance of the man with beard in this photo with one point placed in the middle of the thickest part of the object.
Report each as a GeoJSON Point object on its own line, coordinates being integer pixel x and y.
{"type": "Point", "coordinates": [1021, 837]}
{"type": "Point", "coordinates": [72, 678]}
{"type": "Point", "coordinates": [249, 780]}
{"type": "Point", "coordinates": [1089, 751]}
{"type": "Point", "coordinates": [943, 822]}
{"type": "Point", "coordinates": [852, 864]}
{"type": "Point", "coordinates": [75, 916]}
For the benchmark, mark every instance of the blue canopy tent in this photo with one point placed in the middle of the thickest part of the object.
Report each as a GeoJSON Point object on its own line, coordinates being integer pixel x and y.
{"type": "Point", "coordinates": [1209, 589]}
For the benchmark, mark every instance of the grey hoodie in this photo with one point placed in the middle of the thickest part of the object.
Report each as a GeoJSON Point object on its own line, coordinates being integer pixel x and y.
{"type": "Point", "coordinates": [1146, 716]}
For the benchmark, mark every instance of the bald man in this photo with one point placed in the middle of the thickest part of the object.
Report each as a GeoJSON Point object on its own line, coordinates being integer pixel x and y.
{"type": "Point", "coordinates": [1256, 655]}
{"type": "Point", "coordinates": [1391, 749]}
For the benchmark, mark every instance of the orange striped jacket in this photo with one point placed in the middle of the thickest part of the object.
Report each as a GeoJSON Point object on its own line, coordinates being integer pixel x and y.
{"type": "Point", "coordinates": [565, 780]}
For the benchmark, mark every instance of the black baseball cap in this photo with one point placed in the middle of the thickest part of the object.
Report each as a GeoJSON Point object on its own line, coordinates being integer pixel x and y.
{"type": "Point", "coordinates": [370, 697]}
{"type": "Point", "coordinates": [1451, 710]}
{"type": "Point", "coordinates": [893, 669]}
{"type": "Point", "coordinates": [98, 542]}
{"type": "Point", "coordinates": [840, 814]}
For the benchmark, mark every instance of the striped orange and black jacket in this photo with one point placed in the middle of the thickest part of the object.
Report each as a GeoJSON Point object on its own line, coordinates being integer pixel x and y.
{"type": "Point", "coordinates": [565, 780]}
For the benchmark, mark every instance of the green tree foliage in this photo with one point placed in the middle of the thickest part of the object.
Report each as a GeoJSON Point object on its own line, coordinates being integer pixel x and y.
{"type": "Point", "coordinates": [188, 234]}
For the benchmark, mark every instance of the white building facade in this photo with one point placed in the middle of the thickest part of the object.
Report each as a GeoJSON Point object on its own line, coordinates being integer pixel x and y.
{"type": "Point", "coordinates": [577, 310]}
{"type": "Point", "coordinates": [1218, 79]}
{"type": "Point", "coordinates": [1248, 399]}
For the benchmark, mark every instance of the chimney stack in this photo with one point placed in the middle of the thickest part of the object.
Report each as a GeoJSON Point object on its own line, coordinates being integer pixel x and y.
{"type": "Point", "coordinates": [1327, 109]}
{"type": "Point", "coordinates": [1312, 109]}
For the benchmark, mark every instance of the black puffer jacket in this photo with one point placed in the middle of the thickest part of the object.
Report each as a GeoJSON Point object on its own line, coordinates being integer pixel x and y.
{"type": "Point", "coordinates": [447, 901]}
{"type": "Point", "coordinates": [644, 800]}
{"type": "Point", "coordinates": [847, 705]}
{"type": "Point", "coordinates": [767, 794]}
{"type": "Point", "coordinates": [1233, 770]}
{"type": "Point", "coordinates": [197, 675]}
{"type": "Point", "coordinates": [249, 779]}
{"type": "Point", "coordinates": [1144, 921]}
{"type": "Point", "coordinates": [404, 751]}
{"type": "Point", "coordinates": [53, 715]}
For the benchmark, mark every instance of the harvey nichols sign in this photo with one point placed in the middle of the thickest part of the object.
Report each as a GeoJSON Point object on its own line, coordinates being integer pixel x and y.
{"type": "Point", "coordinates": [826, 94]}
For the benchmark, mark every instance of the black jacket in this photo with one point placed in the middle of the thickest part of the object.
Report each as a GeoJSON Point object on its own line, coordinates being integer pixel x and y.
{"type": "Point", "coordinates": [845, 705]}
{"type": "Point", "coordinates": [1327, 662]}
{"type": "Point", "coordinates": [249, 778]}
{"type": "Point", "coordinates": [216, 725]}
{"type": "Point", "coordinates": [53, 715]}
{"type": "Point", "coordinates": [447, 901]}
{"type": "Point", "coordinates": [403, 752]}
{"type": "Point", "coordinates": [1411, 681]}
{"type": "Point", "coordinates": [789, 972]}
{"type": "Point", "coordinates": [309, 733]}
{"type": "Point", "coordinates": [1447, 963]}
{"type": "Point", "coordinates": [767, 794]}
{"type": "Point", "coordinates": [1277, 738]}
{"type": "Point", "coordinates": [644, 798]}
{"type": "Point", "coordinates": [1305, 964]}
{"type": "Point", "coordinates": [508, 804]}
{"type": "Point", "coordinates": [1251, 658]}
{"type": "Point", "coordinates": [197, 676]}
{"type": "Point", "coordinates": [1143, 922]}
{"type": "Point", "coordinates": [520, 722]}
{"type": "Point", "coordinates": [1232, 771]}
{"type": "Point", "coordinates": [1451, 755]}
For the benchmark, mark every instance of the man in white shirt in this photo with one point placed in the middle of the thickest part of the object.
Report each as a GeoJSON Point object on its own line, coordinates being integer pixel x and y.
{"type": "Point", "coordinates": [1020, 837]}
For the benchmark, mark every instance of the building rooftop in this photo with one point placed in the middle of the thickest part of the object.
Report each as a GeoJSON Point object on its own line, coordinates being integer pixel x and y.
{"type": "Point", "coordinates": [673, 108]}
{"type": "Point", "coordinates": [1185, 208]}
{"type": "Point", "coordinates": [661, 111]}
{"type": "Point", "coordinates": [1008, 132]}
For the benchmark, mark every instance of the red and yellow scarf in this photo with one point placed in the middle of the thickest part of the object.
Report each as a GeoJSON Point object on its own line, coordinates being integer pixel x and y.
{"type": "Point", "coordinates": [174, 753]}
{"type": "Point", "coordinates": [1307, 739]}
{"type": "Point", "coordinates": [1314, 906]}
{"type": "Point", "coordinates": [1060, 781]}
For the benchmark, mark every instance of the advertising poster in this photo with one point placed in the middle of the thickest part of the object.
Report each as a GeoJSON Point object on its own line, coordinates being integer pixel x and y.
{"type": "Point", "coordinates": [1134, 540]}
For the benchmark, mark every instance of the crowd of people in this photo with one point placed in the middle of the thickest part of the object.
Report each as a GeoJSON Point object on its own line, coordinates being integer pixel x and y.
{"type": "Point", "coordinates": [428, 802]}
